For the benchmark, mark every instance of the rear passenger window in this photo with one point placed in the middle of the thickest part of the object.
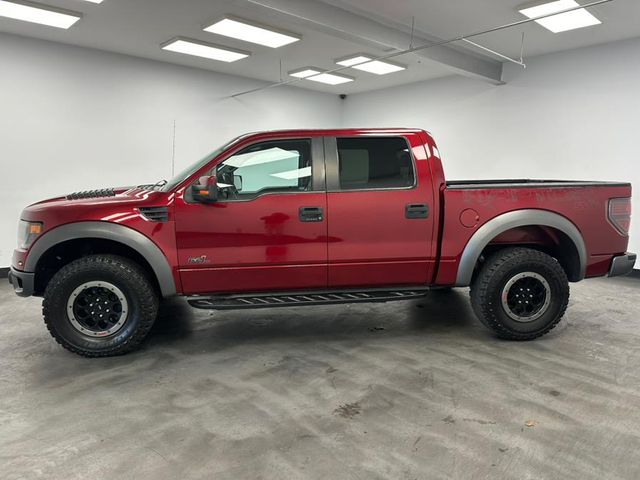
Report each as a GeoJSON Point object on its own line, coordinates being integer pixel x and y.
{"type": "Point", "coordinates": [374, 162]}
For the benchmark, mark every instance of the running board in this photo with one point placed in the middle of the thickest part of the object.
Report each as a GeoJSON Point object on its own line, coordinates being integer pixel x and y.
{"type": "Point", "coordinates": [299, 299]}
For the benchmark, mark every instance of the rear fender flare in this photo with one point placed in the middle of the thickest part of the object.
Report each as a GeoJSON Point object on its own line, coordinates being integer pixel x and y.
{"type": "Point", "coordinates": [107, 231]}
{"type": "Point", "coordinates": [507, 221]}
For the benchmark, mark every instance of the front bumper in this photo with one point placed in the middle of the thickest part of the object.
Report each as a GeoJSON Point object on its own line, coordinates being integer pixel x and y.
{"type": "Point", "coordinates": [622, 264]}
{"type": "Point", "coordinates": [22, 282]}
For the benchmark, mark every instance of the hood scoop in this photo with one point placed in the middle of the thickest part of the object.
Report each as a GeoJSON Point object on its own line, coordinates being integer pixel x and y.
{"type": "Point", "coordinates": [105, 192]}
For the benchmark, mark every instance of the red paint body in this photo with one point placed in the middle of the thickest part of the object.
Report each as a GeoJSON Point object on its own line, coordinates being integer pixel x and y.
{"type": "Point", "coordinates": [363, 241]}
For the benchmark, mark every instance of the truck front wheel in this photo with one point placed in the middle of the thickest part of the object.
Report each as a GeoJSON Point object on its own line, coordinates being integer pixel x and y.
{"type": "Point", "coordinates": [520, 293]}
{"type": "Point", "coordinates": [100, 305]}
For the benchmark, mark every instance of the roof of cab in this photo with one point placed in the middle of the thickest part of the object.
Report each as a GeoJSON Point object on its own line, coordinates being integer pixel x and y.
{"type": "Point", "coordinates": [333, 132]}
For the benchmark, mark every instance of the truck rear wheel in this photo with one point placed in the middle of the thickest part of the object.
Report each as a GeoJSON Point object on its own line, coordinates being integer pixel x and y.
{"type": "Point", "coordinates": [520, 293]}
{"type": "Point", "coordinates": [100, 305]}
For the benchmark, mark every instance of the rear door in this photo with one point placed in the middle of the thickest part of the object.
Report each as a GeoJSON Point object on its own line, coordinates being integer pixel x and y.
{"type": "Point", "coordinates": [380, 223]}
{"type": "Point", "coordinates": [267, 231]}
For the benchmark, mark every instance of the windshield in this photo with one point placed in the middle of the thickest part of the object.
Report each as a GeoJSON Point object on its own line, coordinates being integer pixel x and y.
{"type": "Point", "coordinates": [193, 168]}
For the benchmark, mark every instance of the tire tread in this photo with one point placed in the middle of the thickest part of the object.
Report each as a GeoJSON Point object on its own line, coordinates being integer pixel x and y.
{"type": "Point", "coordinates": [481, 290]}
{"type": "Point", "coordinates": [142, 289]}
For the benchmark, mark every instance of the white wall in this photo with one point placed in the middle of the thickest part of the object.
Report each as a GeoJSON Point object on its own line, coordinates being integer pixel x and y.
{"type": "Point", "coordinates": [570, 115]}
{"type": "Point", "coordinates": [75, 119]}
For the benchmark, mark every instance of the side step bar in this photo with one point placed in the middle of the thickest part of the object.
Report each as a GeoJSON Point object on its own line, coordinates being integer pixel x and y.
{"type": "Point", "coordinates": [298, 299]}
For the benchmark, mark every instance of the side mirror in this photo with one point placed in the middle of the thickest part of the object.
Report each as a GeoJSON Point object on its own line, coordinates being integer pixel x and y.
{"type": "Point", "coordinates": [237, 182]}
{"type": "Point", "coordinates": [206, 190]}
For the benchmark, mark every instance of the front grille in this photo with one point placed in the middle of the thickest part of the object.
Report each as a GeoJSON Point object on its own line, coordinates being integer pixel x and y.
{"type": "Point", "coordinates": [155, 214]}
{"type": "Point", "coordinates": [105, 192]}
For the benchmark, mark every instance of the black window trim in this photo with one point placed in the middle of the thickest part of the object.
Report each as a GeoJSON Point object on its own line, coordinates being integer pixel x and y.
{"type": "Point", "coordinates": [332, 165]}
{"type": "Point", "coordinates": [318, 171]}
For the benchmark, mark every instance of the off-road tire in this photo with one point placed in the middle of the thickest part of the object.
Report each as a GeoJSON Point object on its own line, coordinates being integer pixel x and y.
{"type": "Point", "coordinates": [497, 270]}
{"type": "Point", "coordinates": [128, 277]}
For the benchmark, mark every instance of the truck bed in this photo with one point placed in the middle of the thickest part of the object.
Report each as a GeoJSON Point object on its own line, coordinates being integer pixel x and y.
{"type": "Point", "coordinates": [470, 204]}
{"type": "Point", "coordinates": [527, 183]}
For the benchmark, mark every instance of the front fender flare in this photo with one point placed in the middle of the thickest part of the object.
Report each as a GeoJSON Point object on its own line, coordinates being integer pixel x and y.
{"type": "Point", "coordinates": [107, 231]}
{"type": "Point", "coordinates": [507, 221]}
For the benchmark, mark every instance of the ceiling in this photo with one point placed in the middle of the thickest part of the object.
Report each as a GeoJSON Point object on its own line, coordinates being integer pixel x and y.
{"type": "Point", "coordinates": [330, 29]}
{"type": "Point", "coordinates": [448, 19]}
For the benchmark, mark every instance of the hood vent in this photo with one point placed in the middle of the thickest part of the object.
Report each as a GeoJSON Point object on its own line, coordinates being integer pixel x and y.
{"type": "Point", "coordinates": [105, 192]}
{"type": "Point", "coordinates": [155, 214]}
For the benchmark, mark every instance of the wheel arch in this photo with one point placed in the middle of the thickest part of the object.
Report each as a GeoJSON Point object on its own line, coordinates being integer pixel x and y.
{"type": "Point", "coordinates": [129, 239]}
{"type": "Point", "coordinates": [523, 218]}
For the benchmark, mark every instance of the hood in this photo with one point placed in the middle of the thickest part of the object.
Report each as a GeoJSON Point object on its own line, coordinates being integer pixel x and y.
{"type": "Point", "coordinates": [103, 195]}
{"type": "Point", "coordinates": [94, 202]}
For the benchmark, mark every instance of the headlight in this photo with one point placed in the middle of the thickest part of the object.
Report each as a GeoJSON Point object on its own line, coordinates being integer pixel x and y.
{"type": "Point", "coordinates": [28, 232]}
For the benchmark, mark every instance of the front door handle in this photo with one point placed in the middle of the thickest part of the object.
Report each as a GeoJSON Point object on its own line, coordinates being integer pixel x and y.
{"type": "Point", "coordinates": [311, 214]}
{"type": "Point", "coordinates": [416, 210]}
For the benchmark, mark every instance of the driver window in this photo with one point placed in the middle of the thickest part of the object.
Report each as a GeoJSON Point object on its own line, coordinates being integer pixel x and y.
{"type": "Point", "coordinates": [274, 166]}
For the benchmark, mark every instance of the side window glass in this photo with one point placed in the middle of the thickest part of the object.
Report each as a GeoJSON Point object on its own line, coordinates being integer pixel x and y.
{"type": "Point", "coordinates": [274, 166]}
{"type": "Point", "coordinates": [374, 163]}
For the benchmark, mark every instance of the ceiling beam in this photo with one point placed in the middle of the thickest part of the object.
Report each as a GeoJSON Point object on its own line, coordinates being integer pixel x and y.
{"type": "Point", "coordinates": [360, 29]}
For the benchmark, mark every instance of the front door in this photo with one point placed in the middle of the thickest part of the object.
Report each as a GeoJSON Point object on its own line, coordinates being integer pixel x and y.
{"type": "Point", "coordinates": [268, 229]}
{"type": "Point", "coordinates": [381, 228]}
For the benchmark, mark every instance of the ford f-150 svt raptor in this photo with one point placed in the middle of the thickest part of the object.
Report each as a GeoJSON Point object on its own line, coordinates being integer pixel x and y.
{"type": "Point", "coordinates": [312, 217]}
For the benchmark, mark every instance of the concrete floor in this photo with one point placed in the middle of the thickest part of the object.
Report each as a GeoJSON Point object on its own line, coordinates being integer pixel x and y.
{"type": "Point", "coordinates": [415, 390]}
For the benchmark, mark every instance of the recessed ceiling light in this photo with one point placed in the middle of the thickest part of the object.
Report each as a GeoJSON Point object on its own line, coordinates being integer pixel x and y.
{"type": "Point", "coordinates": [250, 32]}
{"type": "Point", "coordinates": [94, 1]}
{"type": "Point", "coordinates": [564, 21]}
{"type": "Point", "coordinates": [205, 50]}
{"type": "Point", "coordinates": [305, 72]}
{"type": "Point", "coordinates": [379, 67]}
{"type": "Point", "coordinates": [331, 78]}
{"type": "Point", "coordinates": [36, 13]}
{"type": "Point", "coordinates": [367, 64]}
{"type": "Point", "coordinates": [353, 60]}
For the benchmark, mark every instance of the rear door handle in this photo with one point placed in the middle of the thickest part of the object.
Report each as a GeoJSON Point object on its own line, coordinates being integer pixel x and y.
{"type": "Point", "coordinates": [416, 210]}
{"type": "Point", "coordinates": [310, 214]}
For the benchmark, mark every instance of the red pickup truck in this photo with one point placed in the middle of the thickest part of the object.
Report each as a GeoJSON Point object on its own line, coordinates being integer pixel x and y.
{"type": "Point", "coordinates": [312, 217]}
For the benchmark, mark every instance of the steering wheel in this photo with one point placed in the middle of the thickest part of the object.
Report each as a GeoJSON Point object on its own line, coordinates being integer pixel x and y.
{"type": "Point", "coordinates": [230, 192]}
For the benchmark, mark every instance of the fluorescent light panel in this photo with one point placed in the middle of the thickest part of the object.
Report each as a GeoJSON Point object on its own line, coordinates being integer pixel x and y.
{"type": "Point", "coordinates": [563, 22]}
{"type": "Point", "coordinates": [243, 30]}
{"type": "Point", "coordinates": [94, 1]}
{"type": "Point", "coordinates": [355, 60]}
{"type": "Point", "coordinates": [367, 64]}
{"type": "Point", "coordinates": [330, 78]}
{"type": "Point", "coordinates": [305, 72]}
{"type": "Point", "coordinates": [205, 50]}
{"type": "Point", "coordinates": [379, 67]}
{"type": "Point", "coordinates": [36, 13]}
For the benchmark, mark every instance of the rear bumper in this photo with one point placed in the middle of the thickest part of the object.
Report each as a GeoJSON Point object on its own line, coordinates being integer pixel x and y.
{"type": "Point", "coordinates": [22, 282]}
{"type": "Point", "coordinates": [622, 265]}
